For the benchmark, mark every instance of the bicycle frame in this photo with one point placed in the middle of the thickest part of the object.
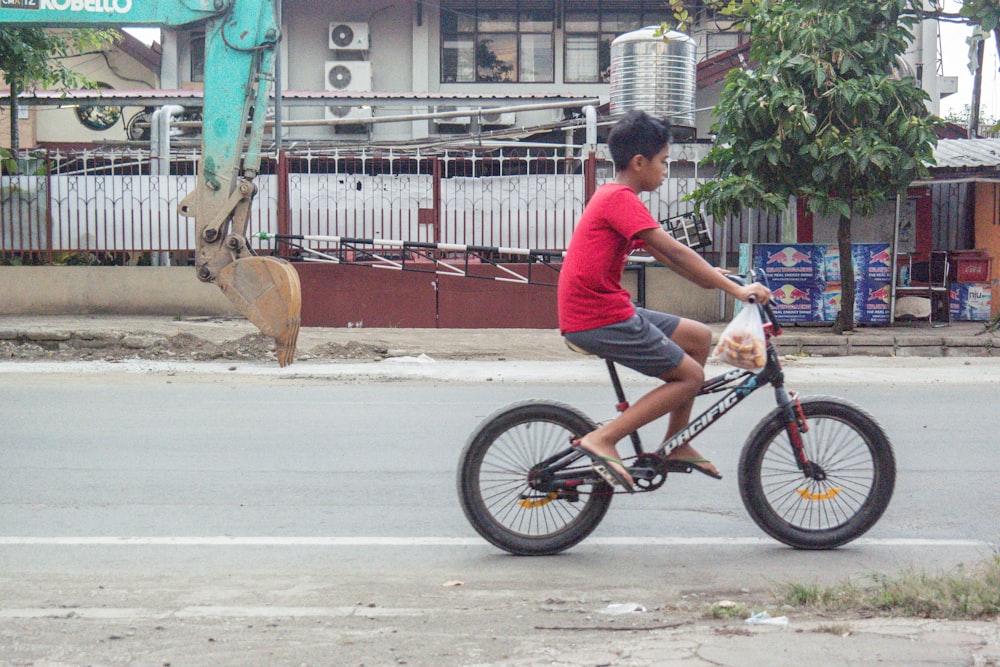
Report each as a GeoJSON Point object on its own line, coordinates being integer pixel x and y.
{"type": "Point", "coordinates": [550, 475]}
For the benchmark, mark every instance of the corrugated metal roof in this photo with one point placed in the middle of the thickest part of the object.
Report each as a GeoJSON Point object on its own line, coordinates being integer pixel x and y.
{"type": "Point", "coordinates": [967, 154]}
{"type": "Point", "coordinates": [289, 97]}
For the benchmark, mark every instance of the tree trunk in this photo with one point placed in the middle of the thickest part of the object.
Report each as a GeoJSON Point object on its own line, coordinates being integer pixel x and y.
{"type": "Point", "coordinates": [845, 318]}
{"type": "Point", "coordinates": [15, 126]}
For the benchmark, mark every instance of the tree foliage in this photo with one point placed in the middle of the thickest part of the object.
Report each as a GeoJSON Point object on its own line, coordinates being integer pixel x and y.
{"type": "Point", "coordinates": [821, 116]}
{"type": "Point", "coordinates": [984, 13]}
{"type": "Point", "coordinates": [32, 58]}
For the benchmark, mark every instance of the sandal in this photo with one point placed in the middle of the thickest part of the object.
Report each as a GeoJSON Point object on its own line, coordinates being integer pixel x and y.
{"type": "Point", "coordinates": [687, 465]}
{"type": "Point", "coordinates": [608, 473]}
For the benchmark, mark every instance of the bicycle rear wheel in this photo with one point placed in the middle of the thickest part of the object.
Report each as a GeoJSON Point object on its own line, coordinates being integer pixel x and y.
{"type": "Point", "coordinates": [493, 480]}
{"type": "Point", "coordinates": [853, 489]}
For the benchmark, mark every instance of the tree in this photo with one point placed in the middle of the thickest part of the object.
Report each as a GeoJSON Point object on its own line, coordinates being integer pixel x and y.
{"type": "Point", "coordinates": [989, 126]}
{"type": "Point", "coordinates": [984, 15]}
{"type": "Point", "coordinates": [821, 118]}
{"type": "Point", "coordinates": [32, 58]}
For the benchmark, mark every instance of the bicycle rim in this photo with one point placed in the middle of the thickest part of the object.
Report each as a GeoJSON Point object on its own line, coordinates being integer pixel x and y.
{"type": "Point", "coordinates": [819, 505]}
{"type": "Point", "coordinates": [494, 482]}
{"type": "Point", "coordinates": [859, 475]}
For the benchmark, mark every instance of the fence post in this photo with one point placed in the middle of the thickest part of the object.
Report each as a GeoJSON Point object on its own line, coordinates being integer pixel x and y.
{"type": "Point", "coordinates": [436, 190]}
{"type": "Point", "coordinates": [48, 252]}
{"type": "Point", "coordinates": [589, 176]}
{"type": "Point", "coordinates": [284, 211]}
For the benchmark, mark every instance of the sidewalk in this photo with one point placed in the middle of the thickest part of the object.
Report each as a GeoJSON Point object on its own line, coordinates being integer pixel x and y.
{"type": "Point", "coordinates": [150, 337]}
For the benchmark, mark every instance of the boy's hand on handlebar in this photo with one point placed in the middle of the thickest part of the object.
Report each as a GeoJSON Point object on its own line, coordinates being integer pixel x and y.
{"type": "Point", "coordinates": [755, 291]}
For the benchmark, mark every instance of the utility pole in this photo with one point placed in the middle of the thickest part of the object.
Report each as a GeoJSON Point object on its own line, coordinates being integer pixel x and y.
{"type": "Point", "coordinates": [977, 90]}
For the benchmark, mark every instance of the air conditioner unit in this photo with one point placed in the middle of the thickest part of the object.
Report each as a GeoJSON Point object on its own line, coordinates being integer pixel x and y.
{"type": "Point", "coordinates": [347, 76]}
{"type": "Point", "coordinates": [486, 117]}
{"type": "Point", "coordinates": [349, 36]}
{"type": "Point", "coordinates": [491, 118]}
{"type": "Point", "coordinates": [346, 112]}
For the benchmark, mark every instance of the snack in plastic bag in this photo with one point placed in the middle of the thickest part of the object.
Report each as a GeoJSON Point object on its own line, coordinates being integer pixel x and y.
{"type": "Point", "coordinates": [742, 342]}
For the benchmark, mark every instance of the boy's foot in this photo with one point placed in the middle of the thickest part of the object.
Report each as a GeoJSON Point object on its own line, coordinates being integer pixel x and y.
{"type": "Point", "coordinates": [689, 456]}
{"type": "Point", "coordinates": [609, 466]}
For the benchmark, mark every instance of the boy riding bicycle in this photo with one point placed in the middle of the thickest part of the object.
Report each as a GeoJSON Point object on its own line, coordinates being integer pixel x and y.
{"type": "Point", "coordinates": [596, 313]}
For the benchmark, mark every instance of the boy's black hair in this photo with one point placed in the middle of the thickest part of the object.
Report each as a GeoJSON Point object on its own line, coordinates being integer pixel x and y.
{"type": "Point", "coordinates": [637, 133]}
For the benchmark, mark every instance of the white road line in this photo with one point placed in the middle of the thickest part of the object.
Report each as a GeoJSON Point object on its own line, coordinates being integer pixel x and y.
{"type": "Point", "coordinates": [266, 541]}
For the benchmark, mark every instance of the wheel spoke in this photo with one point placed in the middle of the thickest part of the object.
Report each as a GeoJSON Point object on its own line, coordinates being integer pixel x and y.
{"type": "Point", "coordinates": [497, 495]}
{"type": "Point", "coordinates": [854, 468]}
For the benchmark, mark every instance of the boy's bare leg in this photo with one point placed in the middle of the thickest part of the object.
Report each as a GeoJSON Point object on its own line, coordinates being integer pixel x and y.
{"type": "Point", "coordinates": [680, 386]}
{"type": "Point", "coordinates": [696, 339]}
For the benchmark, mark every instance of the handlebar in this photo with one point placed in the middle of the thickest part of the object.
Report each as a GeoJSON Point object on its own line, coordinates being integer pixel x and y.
{"type": "Point", "coordinates": [767, 312]}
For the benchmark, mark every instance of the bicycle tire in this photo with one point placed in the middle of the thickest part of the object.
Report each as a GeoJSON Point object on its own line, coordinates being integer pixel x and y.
{"type": "Point", "coordinates": [493, 480]}
{"type": "Point", "coordinates": [805, 513]}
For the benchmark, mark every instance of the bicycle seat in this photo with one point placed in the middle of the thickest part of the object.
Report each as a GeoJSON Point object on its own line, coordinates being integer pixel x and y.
{"type": "Point", "coordinates": [578, 349]}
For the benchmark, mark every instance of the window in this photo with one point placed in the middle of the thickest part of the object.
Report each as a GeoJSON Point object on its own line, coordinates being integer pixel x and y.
{"type": "Point", "coordinates": [198, 57]}
{"type": "Point", "coordinates": [590, 26]}
{"type": "Point", "coordinates": [720, 42]}
{"type": "Point", "coordinates": [489, 41]}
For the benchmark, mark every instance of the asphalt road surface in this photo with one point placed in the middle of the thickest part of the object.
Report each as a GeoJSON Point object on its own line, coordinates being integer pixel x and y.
{"type": "Point", "coordinates": [246, 518]}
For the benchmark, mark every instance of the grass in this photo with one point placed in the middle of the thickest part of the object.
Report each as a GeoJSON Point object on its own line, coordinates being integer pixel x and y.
{"type": "Point", "coordinates": [964, 593]}
{"type": "Point", "coordinates": [838, 629]}
{"type": "Point", "coordinates": [728, 610]}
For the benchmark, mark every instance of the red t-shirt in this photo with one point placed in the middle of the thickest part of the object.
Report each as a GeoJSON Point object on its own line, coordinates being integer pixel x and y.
{"type": "Point", "coordinates": [590, 289]}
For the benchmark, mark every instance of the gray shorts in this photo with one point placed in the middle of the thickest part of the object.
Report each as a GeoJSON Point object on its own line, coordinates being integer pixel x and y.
{"type": "Point", "coordinates": [642, 342]}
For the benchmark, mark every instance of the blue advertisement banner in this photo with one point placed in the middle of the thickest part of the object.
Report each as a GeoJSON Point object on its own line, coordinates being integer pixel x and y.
{"type": "Point", "coordinates": [805, 280]}
{"type": "Point", "coordinates": [970, 301]}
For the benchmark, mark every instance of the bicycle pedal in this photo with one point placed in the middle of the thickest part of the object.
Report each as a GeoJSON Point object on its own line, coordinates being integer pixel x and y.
{"type": "Point", "coordinates": [678, 466]}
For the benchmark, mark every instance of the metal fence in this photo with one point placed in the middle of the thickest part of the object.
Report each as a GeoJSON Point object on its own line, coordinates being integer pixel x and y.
{"type": "Point", "coordinates": [108, 206]}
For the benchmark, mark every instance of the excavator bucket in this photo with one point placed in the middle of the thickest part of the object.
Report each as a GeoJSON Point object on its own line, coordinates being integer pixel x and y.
{"type": "Point", "coordinates": [267, 291]}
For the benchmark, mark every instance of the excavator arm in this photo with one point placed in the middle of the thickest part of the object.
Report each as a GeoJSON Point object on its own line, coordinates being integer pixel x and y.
{"type": "Point", "coordinates": [240, 41]}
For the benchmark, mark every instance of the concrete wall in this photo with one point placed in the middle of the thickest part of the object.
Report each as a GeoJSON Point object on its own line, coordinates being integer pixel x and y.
{"type": "Point", "coordinates": [669, 293]}
{"type": "Point", "coordinates": [332, 296]}
{"type": "Point", "coordinates": [120, 290]}
{"type": "Point", "coordinates": [26, 128]}
{"type": "Point", "coordinates": [61, 124]}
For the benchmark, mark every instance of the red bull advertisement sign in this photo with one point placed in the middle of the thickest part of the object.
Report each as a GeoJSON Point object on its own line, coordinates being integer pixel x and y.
{"type": "Point", "coordinates": [805, 280]}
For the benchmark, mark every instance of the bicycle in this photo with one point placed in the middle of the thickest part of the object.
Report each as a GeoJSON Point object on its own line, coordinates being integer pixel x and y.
{"type": "Point", "coordinates": [814, 473]}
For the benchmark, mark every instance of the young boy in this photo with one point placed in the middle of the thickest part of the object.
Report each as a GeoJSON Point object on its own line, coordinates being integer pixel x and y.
{"type": "Point", "coordinates": [597, 314]}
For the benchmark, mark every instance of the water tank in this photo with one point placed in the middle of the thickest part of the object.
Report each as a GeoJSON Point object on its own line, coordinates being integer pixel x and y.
{"type": "Point", "coordinates": [654, 74]}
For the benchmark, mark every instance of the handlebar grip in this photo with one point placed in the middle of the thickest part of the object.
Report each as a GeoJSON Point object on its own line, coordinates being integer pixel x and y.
{"type": "Point", "coordinates": [775, 324]}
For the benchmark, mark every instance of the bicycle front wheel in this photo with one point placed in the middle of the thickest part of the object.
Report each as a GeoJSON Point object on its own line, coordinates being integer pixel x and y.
{"type": "Point", "coordinates": [855, 472]}
{"type": "Point", "coordinates": [493, 480]}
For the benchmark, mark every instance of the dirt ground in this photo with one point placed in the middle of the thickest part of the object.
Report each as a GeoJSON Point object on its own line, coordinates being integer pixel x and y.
{"type": "Point", "coordinates": [90, 338]}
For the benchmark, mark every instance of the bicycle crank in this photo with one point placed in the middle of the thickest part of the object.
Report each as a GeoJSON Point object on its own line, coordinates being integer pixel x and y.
{"type": "Point", "coordinates": [649, 471]}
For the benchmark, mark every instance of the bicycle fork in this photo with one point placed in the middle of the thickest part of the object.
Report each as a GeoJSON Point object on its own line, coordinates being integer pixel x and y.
{"type": "Point", "coordinates": [795, 426]}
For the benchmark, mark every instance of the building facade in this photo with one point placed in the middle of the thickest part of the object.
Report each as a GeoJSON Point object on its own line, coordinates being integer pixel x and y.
{"type": "Point", "coordinates": [351, 60]}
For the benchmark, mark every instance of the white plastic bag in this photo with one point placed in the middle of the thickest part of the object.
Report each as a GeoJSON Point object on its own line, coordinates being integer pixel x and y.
{"type": "Point", "coordinates": [742, 342]}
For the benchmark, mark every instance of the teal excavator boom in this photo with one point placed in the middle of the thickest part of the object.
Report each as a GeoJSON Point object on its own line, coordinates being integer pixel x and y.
{"type": "Point", "coordinates": [240, 41]}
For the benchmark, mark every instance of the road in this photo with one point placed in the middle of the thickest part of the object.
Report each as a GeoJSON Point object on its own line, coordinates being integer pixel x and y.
{"type": "Point", "coordinates": [191, 514]}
